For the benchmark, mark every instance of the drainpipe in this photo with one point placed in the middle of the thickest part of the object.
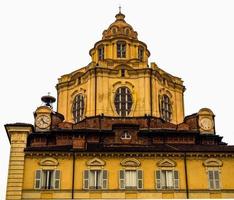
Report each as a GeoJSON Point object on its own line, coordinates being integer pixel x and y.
{"type": "Point", "coordinates": [95, 101]}
{"type": "Point", "coordinates": [73, 172]}
{"type": "Point", "coordinates": [151, 101]}
{"type": "Point", "coordinates": [186, 175]}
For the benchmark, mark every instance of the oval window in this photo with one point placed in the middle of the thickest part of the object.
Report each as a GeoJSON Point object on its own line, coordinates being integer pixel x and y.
{"type": "Point", "coordinates": [123, 101]}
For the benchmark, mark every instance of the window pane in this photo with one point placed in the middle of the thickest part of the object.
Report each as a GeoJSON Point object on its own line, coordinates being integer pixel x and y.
{"type": "Point", "coordinates": [104, 184]}
{"type": "Point", "coordinates": [56, 184]}
{"type": "Point", "coordinates": [166, 108]}
{"type": "Point", "coordinates": [121, 174]}
{"type": "Point", "coordinates": [210, 175]}
{"type": "Point", "coordinates": [140, 184]}
{"type": "Point", "coordinates": [216, 174]}
{"type": "Point", "coordinates": [37, 185]}
{"type": "Point", "coordinates": [38, 174]}
{"type": "Point", "coordinates": [130, 178]}
{"type": "Point", "coordinates": [158, 174]}
{"type": "Point", "coordinates": [123, 101]}
{"type": "Point", "coordinates": [217, 184]}
{"type": "Point", "coordinates": [169, 178]}
{"type": "Point", "coordinates": [92, 179]}
{"type": "Point", "coordinates": [211, 184]}
{"type": "Point", "coordinates": [104, 174]}
{"type": "Point", "coordinates": [176, 175]}
{"type": "Point", "coordinates": [78, 108]}
{"type": "Point", "coordinates": [95, 179]}
{"type": "Point", "coordinates": [86, 174]}
{"type": "Point", "coordinates": [57, 174]}
{"type": "Point", "coordinates": [139, 174]}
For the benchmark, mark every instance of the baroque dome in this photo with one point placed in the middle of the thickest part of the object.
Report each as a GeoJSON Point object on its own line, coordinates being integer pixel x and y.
{"type": "Point", "coordinates": [119, 28]}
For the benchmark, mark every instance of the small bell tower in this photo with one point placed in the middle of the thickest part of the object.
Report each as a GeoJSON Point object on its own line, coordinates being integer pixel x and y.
{"type": "Point", "coordinates": [43, 114]}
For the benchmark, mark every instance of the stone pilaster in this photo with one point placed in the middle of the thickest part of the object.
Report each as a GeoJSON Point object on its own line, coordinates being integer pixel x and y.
{"type": "Point", "coordinates": [18, 134]}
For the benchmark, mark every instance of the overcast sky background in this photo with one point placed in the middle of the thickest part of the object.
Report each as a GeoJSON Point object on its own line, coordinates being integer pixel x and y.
{"type": "Point", "coordinates": [40, 40]}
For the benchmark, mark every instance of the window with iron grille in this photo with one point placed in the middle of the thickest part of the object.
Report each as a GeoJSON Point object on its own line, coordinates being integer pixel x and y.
{"type": "Point", "coordinates": [78, 108]}
{"type": "Point", "coordinates": [166, 108]}
{"type": "Point", "coordinates": [123, 101]}
{"type": "Point", "coordinates": [101, 53]}
{"type": "Point", "coordinates": [121, 49]}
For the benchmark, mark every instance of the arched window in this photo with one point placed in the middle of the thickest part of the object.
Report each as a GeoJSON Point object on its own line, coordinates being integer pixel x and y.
{"type": "Point", "coordinates": [127, 31]}
{"type": "Point", "coordinates": [78, 108]}
{"type": "Point", "coordinates": [123, 101]}
{"type": "Point", "coordinates": [121, 49]}
{"type": "Point", "coordinates": [114, 30]}
{"type": "Point", "coordinates": [140, 53]}
{"type": "Point", "coordinates": [101, 52]}
{"type": "Point", "coordinates": [166, 108]}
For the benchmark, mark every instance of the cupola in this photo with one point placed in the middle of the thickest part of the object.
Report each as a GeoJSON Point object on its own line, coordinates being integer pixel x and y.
{"type": "Point", "coordinates": [119, 28]}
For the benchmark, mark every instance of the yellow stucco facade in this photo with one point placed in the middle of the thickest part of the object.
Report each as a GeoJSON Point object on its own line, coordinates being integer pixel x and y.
{"type": "Point", "coordinates": [119, 132]}
{"type": "Point", "coordinates": [197, 176]}
{"type": "Point", "coordinates": [98, 81]}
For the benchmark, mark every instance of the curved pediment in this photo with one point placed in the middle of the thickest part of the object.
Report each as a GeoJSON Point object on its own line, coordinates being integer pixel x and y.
{"type": "Point", "coordinates": [166, 163]}
{"type": "Point", "coordinates": [49, 162]}
{"type": "Point", "coordinates": [130, 162]}
{"type": "Point", "coordinates": [212, 162]}
{"type": "Point", "coordinates": [95, 162]}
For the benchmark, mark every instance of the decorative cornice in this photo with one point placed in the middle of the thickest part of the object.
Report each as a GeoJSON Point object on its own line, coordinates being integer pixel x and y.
{"type": "Point", "coordinates": [129, 154]}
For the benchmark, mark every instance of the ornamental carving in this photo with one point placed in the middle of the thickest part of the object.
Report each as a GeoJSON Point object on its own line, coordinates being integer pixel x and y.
{"type": "Point", "coordinates": [130, 162]}
{"type": "Point", "coordinates": [49, 161]}
{"type": "Point", "coordinates": [212, 162]}
{"type": "Point", "coordinates": [96, 162]}
{"type": "Point", "coordinates": [166, 163]}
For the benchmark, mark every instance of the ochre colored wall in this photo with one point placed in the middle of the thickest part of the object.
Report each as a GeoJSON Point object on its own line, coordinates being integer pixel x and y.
{"type": "Point", "coordinates": [197, 178]}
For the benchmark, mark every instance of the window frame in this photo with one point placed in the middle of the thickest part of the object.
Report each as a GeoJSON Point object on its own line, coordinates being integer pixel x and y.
{"type": "Point", "coordinates": [166, 108]}
{"type": "Point", "coordinates": [140, 53]}
{"type": "Point", "coordinates": [121, 49]}
{"type": "Point", "coordinates": [46, 182]}
{"type": "Point", "coordinates": [213, 180]}
{"type": "Point", "coordinates": [78, 106]}
{"type": "Point", "coordinates": [158, 179]}
{"type": "Point", "coordinates": [139, 179]}
{"type": "Point", "coordinates": [123, 101]}
{"type": "Point", "coordinates": [101, 53]}
{"type": "Point", "coordinates": [103, 179]}
{"type": "Point", "coordinates": [126, 136]}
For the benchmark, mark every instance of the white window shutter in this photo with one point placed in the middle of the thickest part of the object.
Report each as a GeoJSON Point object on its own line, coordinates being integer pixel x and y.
{"type": "Point", "coordinates": [158, 179]}
{"type": "Point", "coordinates": [38, 179]}
{"type": "Point", "coordinates": [210, 179]}
{"type": "Point", "coordinates": [104, 179]}
{"type": "Point", "coordinates": [86, 179]}
{"type": "Point", "coordinates": [139, 179]}
{"type": "Point", "coordinates": [122, 179]}
{"type": "Point", "coordinates": [176, 179]}
{"type": "Point", "coordinates": [216, 178]}
{"type": "Point", "coordinates": [56, 178]}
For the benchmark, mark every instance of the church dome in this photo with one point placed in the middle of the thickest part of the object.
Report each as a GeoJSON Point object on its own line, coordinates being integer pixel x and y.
{"type": "Point", "coordinates": [119, 28]}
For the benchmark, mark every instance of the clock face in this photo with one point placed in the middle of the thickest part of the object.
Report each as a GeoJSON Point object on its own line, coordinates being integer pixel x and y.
{"type": "Point", "coordinates": [43, 121]}
{"type": "Point", "coordinates": [206, 124]}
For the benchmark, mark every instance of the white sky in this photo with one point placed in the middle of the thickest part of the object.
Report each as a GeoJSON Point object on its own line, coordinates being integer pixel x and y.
{"type": "Point", "coordinates": [41, 40]}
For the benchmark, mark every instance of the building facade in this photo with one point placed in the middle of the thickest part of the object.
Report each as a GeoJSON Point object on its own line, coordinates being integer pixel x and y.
{"type": "Point", "coordinates": [119, 132]}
